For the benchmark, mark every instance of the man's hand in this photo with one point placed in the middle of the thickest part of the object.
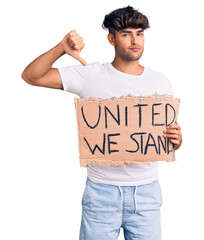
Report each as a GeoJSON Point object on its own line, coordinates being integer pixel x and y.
{"type": "Point", "coordinates": [73, 44]}
{"type": "Point", "coordinates": [173, 132]}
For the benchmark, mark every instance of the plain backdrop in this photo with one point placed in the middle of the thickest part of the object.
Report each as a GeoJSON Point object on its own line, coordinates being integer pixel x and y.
{"type": "Point", "coordinates": [41, 182]}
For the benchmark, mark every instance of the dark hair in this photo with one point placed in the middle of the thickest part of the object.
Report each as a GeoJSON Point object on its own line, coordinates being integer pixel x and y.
{"type": "Point", "coordinates": [126, 17]}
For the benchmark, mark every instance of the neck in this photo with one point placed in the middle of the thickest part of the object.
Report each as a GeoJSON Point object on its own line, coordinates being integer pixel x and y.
{"type": "Point", "coordinates": [130, 67]}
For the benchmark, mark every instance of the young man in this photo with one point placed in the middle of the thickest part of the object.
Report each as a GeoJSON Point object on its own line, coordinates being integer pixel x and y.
{"type": "Point", "coordinates": [129, 197]}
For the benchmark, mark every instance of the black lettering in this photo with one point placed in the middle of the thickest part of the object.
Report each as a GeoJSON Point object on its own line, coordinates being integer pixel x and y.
{"type": "Point", "coordinates": [96, 146]}
{"type": "Point", "coordinates": [162, 143]}
{"type": "Point", "coordinates": [111, 142]}
{"type": "Point", "coordinates": [148, 144]}
{"type": "Point", "coordinates": [99, 115]}
{"type": "Point", "coordinates": [142, 141]}
{"type": "Point", "coordinates": [169, 150]}
{"type": "Point", "coordinates": [138, 145]}
{"type": "Point", "coordinates": [126, 118]}
{"type": "Point", "coordinates": [118, 112]}
{"type": "Point", "coordinates": [153, 113]}
{"type": "Point", "coordinates": [140, 112]}
{"type": "Point", "coordinates": [166, 111]}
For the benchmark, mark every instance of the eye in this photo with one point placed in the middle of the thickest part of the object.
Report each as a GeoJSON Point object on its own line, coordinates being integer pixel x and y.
{"type": "Point", "coordinates": [126, 34]}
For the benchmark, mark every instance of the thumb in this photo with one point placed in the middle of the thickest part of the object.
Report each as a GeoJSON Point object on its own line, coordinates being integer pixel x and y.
{"type": "Point", "coordinates": [81, 60]}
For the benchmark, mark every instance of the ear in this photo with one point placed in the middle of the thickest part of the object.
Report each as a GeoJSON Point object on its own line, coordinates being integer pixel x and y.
{"type": "Point", "coordinates": [111, 39]}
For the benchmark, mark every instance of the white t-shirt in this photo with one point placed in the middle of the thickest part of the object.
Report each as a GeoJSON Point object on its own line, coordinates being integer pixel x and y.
{"type": "Point", "coordinates": [105, 81]}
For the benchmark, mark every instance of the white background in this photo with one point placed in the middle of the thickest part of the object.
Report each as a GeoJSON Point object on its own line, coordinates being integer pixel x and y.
{"type": "Point", "coordinates": [41, 182]}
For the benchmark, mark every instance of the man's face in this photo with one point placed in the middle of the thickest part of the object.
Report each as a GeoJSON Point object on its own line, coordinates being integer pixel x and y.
{"type": "Point", "coordinates": [129, 43]}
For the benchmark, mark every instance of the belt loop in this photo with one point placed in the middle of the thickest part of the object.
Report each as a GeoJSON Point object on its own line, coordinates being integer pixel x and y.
{"type": "Point", "coordinates": [135, 199]}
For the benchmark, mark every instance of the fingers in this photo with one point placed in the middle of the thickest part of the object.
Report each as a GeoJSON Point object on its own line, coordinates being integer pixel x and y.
{"type": "Point", "coordinates": [174, 141]}
{"type": "Point", "coordinates": [75, 41]}
{"type": "Point", "coordinates": [76, 44]}
{"type": "Point", "coordinates": [73, 44]}
{"type": "Point", "coordinates": [173, 132]}
{"type": "Point", "coordinates": [174, 126]}
{"type": "Point", "coordinates": [81, 60]}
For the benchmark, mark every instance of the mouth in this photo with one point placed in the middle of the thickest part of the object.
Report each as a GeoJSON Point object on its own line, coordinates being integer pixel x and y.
{"type": "Point", "coordinates": [135, 49]}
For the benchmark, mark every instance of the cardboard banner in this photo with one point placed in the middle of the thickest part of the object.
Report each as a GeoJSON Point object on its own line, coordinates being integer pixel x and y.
{"type": "Point", "coordinates": [129, 129]}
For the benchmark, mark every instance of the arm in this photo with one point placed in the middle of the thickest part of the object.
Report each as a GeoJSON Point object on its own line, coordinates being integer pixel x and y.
{"type": "Point", "coordinates": [40, 72]}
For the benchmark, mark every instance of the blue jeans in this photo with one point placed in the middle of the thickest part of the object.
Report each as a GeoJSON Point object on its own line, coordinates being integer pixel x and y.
{"type": "Point", "coordinates": [106, 208]}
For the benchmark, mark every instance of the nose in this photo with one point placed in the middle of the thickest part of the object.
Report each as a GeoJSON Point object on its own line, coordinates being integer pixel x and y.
{"type": "Point", "coordinates": [134, 39]}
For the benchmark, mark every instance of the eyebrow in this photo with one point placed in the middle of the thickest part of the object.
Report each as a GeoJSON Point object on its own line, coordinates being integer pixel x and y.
{"type": "Point", "coordinates": [125, 31]}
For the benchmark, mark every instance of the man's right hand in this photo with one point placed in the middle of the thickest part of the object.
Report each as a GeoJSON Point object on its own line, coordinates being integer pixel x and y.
{"type": "Point", "coordinates": [40, 72]}
{"type": "Point", "coordinates": [73, 44]}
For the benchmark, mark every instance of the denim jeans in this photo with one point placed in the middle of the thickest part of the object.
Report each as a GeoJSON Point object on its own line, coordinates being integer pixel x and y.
{"type": "Point", "coordinates": [107, 208]}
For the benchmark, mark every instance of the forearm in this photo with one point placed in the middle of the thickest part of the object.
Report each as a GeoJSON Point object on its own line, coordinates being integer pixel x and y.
{"type": "Point", "coordinates": [41, 65]}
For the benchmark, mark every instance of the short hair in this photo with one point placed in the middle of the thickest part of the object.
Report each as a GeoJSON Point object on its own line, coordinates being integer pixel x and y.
{"type": "Point", "coordinates": [122, 18]}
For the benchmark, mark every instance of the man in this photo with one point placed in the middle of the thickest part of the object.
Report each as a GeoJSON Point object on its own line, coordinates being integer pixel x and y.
{"type": "Point", "coordinates": [129, 197]}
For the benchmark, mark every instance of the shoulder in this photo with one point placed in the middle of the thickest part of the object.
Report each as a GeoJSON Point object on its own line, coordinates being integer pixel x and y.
{"type": "Point", "coordinates": [82, 67]}
{"type": "Point", "coordinates": [160, 79]}
{"type": "Point", "coordinates": [156, 73]}
{"type": "Point", "coordinates": [93, 65]}
{"type": "Point", "coordinates": [90, 68]}
{"type": "Point", "coordinates": [80, 70]}
{"type": "Point", "coordinates": [93, 68]}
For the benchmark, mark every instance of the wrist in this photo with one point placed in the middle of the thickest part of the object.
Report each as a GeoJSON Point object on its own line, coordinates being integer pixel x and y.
{"type": "Point", "coordinates": [60, 49]}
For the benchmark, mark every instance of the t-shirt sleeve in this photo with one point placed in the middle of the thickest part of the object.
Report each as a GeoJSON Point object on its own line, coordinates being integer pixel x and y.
{"type": "Point", "coordinates": [166, 85]}
{"type": "Point", "coordinates": [76, 78]}
{"type": "Point", "coordinates": [169, 87]}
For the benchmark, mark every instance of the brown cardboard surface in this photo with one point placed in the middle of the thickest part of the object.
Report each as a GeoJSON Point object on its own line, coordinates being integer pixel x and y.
{"type": "Point", "coordinates": [128, 129]}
